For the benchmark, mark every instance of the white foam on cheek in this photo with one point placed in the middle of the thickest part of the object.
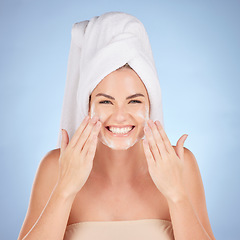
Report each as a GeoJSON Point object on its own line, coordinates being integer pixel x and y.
{"type": "Point", "coordinates": [144, 115]}
{"type": "Point", "coordinates": [129, 144]}
{"type": "Point", "coordinates": [93, 110]}
{"type": "Point", "coordinates": [109, 144]}
{"type": "Point", "coordinates": [103, 139]}
{"type": "Point", "coordinates": [146, 118]}
{"type": "Point", "coordinates": [93, 113]}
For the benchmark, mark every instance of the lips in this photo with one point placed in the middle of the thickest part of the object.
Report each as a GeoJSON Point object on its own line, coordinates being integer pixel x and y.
{"type": "Point", "coordinates": [120, 126]}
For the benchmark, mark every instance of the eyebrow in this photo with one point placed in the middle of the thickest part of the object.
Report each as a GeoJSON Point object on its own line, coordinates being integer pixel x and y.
{"type": "Point", "coordinates": [110, 97]}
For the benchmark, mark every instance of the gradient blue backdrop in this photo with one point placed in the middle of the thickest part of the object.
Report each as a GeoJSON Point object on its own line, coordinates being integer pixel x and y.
{"type": "Point", "coordinates": [196, 50]}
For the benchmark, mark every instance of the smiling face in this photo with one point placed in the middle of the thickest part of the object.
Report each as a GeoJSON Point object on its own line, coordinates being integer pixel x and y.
{"type": "Point", "coordinates": [122, 104]}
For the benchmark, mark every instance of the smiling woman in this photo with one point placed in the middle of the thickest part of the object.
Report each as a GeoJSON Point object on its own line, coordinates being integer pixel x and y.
{"type": "Point", "coordinates": [125, 113]}
{"type": "Point", "coordinates": [104, 181]}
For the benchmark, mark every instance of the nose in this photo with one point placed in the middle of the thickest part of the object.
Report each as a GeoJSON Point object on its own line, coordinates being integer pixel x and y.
{"type": "Point", "coordinates": [120, 114]}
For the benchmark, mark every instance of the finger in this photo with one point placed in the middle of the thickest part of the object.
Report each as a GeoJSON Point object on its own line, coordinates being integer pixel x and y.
{"type": "Point", "coordinates": [90, 139]}
{"type": "Point", "coordinates": [85, 134]}
{"type": "Point", "coordinates": [166, 141]}
{"type": "Point", "coordinates": [91, 150]}
{"type": "Point", "coordinates": [179, 146]}
{"type": "Point", "coordinates": [79, 131]}
{"type": "Point", "coordinates": [158, 138]}
{"type": "Point", "coordinates": [64, 141]}
{"type": "Point", "coordinates": [152, 143]}
{"type": "Point", "coordinates": [146, 148]}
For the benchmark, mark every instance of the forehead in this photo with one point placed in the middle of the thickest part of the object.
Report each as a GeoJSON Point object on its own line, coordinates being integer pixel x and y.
{"type": "Point", "coordinates": [120, 81]}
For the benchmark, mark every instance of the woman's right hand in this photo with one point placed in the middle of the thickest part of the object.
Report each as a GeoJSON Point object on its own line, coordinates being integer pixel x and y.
{"type": "Point", "coordinates": [76, 157]}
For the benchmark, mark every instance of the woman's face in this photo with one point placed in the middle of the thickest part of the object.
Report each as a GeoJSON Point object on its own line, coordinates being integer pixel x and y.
{"type": "Point", "coordinates": [121, 102]}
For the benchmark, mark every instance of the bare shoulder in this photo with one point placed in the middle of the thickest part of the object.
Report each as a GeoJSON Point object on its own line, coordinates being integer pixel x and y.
{"type": "Point", "coordinates": [47, 172]}
{"type": "Point", "coordinates": [195, 189]}
{"type": "Point", "coordinates": [43, 185]}
{"type": "Point", "coordinates": [50, 159]}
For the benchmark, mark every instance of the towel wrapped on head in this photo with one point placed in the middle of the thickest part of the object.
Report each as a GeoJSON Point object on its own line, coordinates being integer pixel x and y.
{"type": "Point", "coordinates": [100, 46]}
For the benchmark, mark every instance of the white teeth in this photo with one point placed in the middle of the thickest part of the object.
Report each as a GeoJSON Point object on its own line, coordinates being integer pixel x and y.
{"type": "Point", "coordinates": [120, 130]}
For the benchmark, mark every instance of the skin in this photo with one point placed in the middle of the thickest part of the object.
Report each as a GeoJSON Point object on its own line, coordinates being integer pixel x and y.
{"type": "Point", "coordinates": [168, 181]}
{"type": "Point", "coordinates": [121, 161]}
{"type": "Point", "coordinates": [113, 154]}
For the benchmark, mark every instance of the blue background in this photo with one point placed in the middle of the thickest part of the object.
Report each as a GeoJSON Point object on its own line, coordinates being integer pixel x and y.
{"type": "Point", "coordinates": [196, 47]}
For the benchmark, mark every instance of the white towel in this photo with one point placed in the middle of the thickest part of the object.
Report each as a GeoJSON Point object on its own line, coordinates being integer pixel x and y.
{"type": "Point", "coordinates": [99, 46]}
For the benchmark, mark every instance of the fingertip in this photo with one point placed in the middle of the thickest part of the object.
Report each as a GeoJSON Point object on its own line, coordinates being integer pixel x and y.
{"type": "Point", "coordinates": [64, 136]}
{"type": "Point", "coordinates": [159, 125]}
{"type": "Point", "coordinates": [98, 125]}
{"type": "Point", "coordinates": [184, 139]}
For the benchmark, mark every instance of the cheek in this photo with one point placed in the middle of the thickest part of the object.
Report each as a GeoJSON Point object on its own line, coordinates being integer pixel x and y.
{"type": "Point", "coordinates": [143, 115]}
{"type": "Point", "coordinates": [102, 113]}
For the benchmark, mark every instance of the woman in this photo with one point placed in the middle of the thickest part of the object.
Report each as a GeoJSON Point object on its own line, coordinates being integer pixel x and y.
{"type": "Point", "coordinates": [106, 182]}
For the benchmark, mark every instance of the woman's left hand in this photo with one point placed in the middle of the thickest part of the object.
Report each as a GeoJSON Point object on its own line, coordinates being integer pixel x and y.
{"type": "Point", "coordinates": [164, 164]}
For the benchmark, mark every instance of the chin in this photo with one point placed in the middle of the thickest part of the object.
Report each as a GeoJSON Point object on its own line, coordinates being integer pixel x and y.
{"type": "Point", "coordinates": [118, 145]}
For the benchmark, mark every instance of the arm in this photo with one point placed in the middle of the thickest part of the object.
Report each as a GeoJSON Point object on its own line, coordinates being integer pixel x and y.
{"type": "Point", "coordinates": [61, 175]}
{"type": "Point", "coordinates": [175, 172]}
{"type": "Point", "coordinates": [49, 208]}
{"type": "Point", "coordinates": [189, 212]}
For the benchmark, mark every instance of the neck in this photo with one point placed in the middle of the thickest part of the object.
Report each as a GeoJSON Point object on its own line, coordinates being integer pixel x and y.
{"type": "Point", "coordinates": [119, 167]}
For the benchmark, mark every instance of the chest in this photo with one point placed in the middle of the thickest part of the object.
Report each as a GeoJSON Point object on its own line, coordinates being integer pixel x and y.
{"type": "Point", "coordinates": [96, 202]}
